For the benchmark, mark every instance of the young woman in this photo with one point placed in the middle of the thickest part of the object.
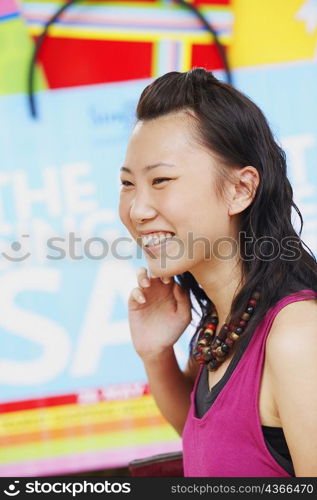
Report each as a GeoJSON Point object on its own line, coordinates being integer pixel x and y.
{"type": "Point", "coordinates": [205, 193]}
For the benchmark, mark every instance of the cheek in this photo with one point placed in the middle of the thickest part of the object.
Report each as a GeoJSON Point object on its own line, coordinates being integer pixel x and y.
{"type": "Point", "coordinates": [208, 215]}
{"type": "Point", "coordinates": [124, 212]}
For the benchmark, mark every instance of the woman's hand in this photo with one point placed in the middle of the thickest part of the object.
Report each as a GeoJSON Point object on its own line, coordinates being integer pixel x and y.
{"type": "Point", "coordinates": [159, 312]}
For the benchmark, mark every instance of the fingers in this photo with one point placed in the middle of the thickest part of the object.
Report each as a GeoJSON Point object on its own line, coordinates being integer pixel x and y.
{"type": "Point", "coordinates": [144, 281]}
{"type": "Point", "coordinates": [164, 279]}
{"type": "Point", "coordinates": [138, 296]}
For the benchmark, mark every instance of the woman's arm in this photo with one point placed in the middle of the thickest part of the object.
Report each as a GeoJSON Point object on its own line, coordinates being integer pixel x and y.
{"type": "Point", "coordinates": [292, 361]}
{"type": "Point", "coordinates": [156, 323]}
{"type": "Point", "coordinates": [171, 387]}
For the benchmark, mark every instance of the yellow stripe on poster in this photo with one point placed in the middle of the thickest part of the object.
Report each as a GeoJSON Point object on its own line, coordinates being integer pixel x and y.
{"type": "Point", "coordinates": [129, 35]}
{"type": "Point", "coordinates": [186, 56]}
{"type": "Point", "coordinates": [271, 31]}
{"type": "Point", "coordinates": [155, 60]}
{"type": "Point", "coordinates": [57, 417]}
{"type": "Point", "coordinates": [87, 443]}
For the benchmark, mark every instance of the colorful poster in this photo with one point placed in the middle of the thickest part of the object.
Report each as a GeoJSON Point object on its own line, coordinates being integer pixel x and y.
{"type": "Point", "coordinates": [274, 58]}
{"type": "Point", "coordinates": [73, 393]}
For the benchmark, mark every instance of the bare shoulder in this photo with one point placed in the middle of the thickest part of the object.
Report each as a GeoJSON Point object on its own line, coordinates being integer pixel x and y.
{"type": "Point", "coordinates": [293, 334]}
{"type": "Point", "coordinates": [291, 353]}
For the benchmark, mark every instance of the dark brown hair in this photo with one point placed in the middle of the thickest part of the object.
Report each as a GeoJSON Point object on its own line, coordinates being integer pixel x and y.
{"type": "Point", "coordinates": [235, 129]}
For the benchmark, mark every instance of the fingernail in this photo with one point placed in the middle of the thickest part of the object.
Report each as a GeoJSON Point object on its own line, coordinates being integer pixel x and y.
{"type": "Point", "coordinates": [145, 282]}
{"type": "Point", "coordinates": [141, 299]}
{"type": "Point", "coordinates": [166, 280]}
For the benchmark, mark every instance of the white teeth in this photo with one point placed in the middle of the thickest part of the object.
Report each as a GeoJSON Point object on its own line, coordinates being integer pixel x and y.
{"type": "Point", "coordinates": [155, 238]}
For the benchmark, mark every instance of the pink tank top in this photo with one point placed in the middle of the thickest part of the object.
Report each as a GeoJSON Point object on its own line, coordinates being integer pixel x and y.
{"type": "Point", "coordinates": [228, 440]}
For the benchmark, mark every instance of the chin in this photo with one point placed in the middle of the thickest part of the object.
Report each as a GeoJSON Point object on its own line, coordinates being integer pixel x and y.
{"type": "Point", "coordinates": [170, 269]}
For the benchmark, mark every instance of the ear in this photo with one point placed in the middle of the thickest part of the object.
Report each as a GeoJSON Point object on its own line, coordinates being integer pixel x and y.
{"type": "Point", "coordinates": [243, 189]}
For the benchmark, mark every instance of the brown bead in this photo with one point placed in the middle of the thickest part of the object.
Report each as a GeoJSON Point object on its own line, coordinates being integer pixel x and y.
{"type": "Point", "coordinates": [242, 322]}
{"type": "Point", "coordinates": [208, 330]}
{"type": "Point", "coordinates": [245, 316]}
{"type": "Point", "coordinates": [229, 342]}
{"type": "Point", "coordinates": [220, 353]}
{"type": "Point", "coordinates": [225, 348]}
{"type": "Point", "coordinates": [215, 343]}
{"type": "Point", "coordinates": [255, 295]}
{"type": "Point", "coordinates": [233, 336]}
{"type": "Point", "coordinates": [238, 330]}
{"type": "Point", "coordinates": [206, 353]}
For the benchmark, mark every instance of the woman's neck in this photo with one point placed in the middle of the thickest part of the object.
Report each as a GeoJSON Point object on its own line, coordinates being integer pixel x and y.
{"type": "Point", "coordinates": [221, 281]}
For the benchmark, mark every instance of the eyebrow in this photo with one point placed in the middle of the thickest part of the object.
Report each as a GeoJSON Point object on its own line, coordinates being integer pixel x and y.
{"type": "Point", "coordinates": [149, 167]}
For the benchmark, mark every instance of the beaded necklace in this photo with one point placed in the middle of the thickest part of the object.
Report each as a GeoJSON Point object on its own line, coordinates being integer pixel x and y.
{"type": "Point", "coordinates": [213, 350]}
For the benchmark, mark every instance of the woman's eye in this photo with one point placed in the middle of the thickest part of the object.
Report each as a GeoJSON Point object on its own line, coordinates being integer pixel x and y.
{"type": "Point", "coordinates": [160, 179]}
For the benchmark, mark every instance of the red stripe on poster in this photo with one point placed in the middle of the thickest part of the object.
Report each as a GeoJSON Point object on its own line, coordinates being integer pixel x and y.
{"type": "Point", "coordinates": [206, 56]}
{"type": "Point", "coordinates": [71, 62]}
{"type": "Point", "coordinates": [86, 396]}
{"type": "Point", "coordinates": [29, 404]}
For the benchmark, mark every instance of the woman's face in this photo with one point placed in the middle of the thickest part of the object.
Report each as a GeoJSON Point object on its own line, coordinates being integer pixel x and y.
{"type": "Point", "coordinates": [168, 188]}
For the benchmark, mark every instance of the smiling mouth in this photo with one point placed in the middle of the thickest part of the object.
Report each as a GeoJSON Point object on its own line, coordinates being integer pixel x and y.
{"type": "Point", "coordinates": [153, 241]}
{"type": "Point", "coordinates": [154, 249]}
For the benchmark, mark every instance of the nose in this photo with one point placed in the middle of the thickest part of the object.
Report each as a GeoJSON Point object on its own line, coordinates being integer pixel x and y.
{"type": "Point", "coordinates": [142, 209]}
